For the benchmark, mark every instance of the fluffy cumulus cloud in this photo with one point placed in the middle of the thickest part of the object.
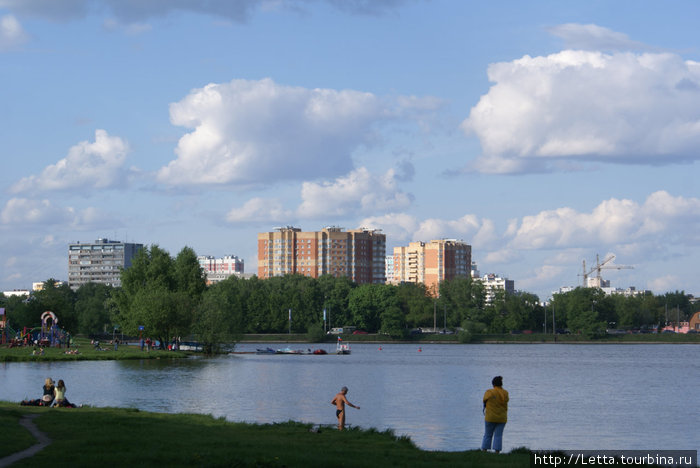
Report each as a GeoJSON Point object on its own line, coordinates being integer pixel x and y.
{"type": "Point", "coordinates": [612, 222]}
{"type": "Point", "coordinates": [358, 192]}
{"type": "Point", "coordinates": [11, 33]}
{"type": "Point", "coordinates": [247, 132]}
{"type": "Point", "coordinates": [619, 107]}
{"type": "Point", "coordinates": [406, 228]}
{"type": "Point", "coordinates": [88, 165]}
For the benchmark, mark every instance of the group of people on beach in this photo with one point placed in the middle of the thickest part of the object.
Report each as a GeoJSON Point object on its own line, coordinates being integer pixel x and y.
{"type": "Point", "coordinates": [495, 413]}
{"type": "Point", "coordinates": [54, 395]}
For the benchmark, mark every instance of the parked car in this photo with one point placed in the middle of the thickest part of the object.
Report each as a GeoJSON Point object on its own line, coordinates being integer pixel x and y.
{"type": "Point", "coordinates": [359, 332]}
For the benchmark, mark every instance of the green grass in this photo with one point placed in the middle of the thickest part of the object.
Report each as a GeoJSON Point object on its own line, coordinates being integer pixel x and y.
{"type": "Point", "coordinates": [14, 437]}
{"type": "Point", "coordinates": [86, 351]}
{"type": "Point", "coordinates": [127, 437]}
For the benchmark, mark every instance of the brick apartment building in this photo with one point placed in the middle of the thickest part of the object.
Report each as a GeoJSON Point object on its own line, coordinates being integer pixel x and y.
{"type": "Point", "coordinates": [358, 254]}
{"type": "Point", "coordinates": [431, 262]}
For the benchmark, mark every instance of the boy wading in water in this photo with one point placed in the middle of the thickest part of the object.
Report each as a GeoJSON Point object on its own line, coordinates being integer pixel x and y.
{"type": "Point", "coordinates": [339, 401]}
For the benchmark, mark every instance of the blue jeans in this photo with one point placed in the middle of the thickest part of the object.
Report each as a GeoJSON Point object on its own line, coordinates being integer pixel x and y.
{"type": "Point", "coordinates": [493, 431]}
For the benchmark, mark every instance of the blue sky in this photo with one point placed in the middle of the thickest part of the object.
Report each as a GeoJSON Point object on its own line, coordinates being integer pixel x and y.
{"type": "Point", "coordinates": [542, 133]}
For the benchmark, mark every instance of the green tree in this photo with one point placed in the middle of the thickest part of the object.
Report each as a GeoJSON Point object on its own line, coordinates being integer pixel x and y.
{"type": "Point", "coordinates": [582, 315]}
{"type": "Point", "coordinates": [367, 302]}
{"type": "Point", "coordinates": [159, 293]}
{"type": "Point", "coordinates": [464, 300]}
{"type": "Point", "coordinates": [188, 274]}
{"type": "Point", "coordinates": [217, 319]}
{"type": "Point", "coordinates": [393, 322]}
{"type": "Point", "coordinates": [58, 299]}
{"type": "Point", "coordinates": [416, 305]}
{"type": "Point", "coordinates": [92, 308]}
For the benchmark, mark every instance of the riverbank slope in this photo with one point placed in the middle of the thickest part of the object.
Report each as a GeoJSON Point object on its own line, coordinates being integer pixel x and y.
{"type": "Point", "coordinates": [128, 437]}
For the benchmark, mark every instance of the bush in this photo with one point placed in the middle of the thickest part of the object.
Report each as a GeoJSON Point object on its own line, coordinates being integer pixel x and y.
{"type": "Point", "coordinates": [315, 333]}
{"type": "Point", "coordinates": [464, 337]}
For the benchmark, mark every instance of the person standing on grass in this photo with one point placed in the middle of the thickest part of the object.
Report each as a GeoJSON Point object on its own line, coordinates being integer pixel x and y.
{"type": "Point", "coordinates": [340, 401]}
{"type": "Point", "coordinates": [495, 415]}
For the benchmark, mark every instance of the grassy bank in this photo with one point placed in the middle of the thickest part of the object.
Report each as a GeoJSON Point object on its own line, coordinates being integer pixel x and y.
{"type": "Point", "coordinates": [123, 437]}
{"type": "Point", "coordinates": [85, 352]}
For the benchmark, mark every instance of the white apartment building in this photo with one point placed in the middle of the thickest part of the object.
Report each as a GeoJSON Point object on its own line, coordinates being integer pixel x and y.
{"type": "Point", "coordinates": [493, 283]}
{"type": "Point", "coordinates": [218, 269]}
{"type": "Point", "coordinates": [101, 261]}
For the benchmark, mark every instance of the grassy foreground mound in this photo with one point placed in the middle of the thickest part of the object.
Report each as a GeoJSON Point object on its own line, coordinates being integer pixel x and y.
{"type": "Point", "coordinates": [127, 437]}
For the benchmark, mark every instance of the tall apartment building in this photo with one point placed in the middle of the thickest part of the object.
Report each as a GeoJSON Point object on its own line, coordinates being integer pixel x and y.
{"type": "Point", "coordinates": [494, 283]}
{"type": "Point", "coordinates": [218, 269]}
{"type": "Point", "coordinates": [358, 254]}
{"type": "Point", "coordinates": [99, 262]}
{"type": "Point", "coordinates": [432, 262]}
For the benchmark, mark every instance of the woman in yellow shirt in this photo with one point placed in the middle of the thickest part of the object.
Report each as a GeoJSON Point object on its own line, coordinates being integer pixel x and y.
{"type": "Point", "coordinates": [495, 415]}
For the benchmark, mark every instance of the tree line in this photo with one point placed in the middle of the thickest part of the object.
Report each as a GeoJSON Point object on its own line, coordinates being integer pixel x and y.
{"type": "Point", "coordinates": [163, 296]}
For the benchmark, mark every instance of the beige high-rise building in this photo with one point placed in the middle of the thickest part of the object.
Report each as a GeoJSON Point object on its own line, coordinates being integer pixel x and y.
{"type": "Point", "coordinates": [358, 254]}
{"type": "Point", "coordinates": [432, 262]}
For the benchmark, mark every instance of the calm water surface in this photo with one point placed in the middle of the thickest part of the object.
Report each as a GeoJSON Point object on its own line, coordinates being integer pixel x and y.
{"type": "Point", "coordinates": [591, 397]}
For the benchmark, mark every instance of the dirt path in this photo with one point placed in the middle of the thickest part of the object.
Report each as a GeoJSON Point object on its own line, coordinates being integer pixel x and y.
{"type": "Point", "coordinates": [42, 441]}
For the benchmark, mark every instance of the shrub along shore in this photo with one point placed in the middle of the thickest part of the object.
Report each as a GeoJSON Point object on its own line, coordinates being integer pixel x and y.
{"type": "Point", "coordinates": [128, 437]}
{"type": "Point", "coordinates": [504, 338]}
{"type": "Point", "coordinates": [85, 351]}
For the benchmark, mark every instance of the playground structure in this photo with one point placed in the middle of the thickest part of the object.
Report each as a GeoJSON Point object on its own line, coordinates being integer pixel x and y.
{"type": "Point", "coordinates": [48, 334]}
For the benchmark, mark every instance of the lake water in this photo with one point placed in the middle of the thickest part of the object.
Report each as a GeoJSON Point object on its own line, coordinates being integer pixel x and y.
{"type": "Point", "coordinates": [593, 397]}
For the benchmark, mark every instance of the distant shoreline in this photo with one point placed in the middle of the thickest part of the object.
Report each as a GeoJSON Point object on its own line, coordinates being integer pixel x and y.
{"type": "Point", "coordinates": [538, 338]}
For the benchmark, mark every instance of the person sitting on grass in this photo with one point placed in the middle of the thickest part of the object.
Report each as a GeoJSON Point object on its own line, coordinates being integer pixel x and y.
{"type": "Point", "coordinates": [47, 397]}
{"type": "Point", "coordinates": [60, 393]}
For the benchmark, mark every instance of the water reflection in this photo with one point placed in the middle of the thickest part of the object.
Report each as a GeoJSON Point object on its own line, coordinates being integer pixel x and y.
{"type": "Point", "coordinates": [562, 396]}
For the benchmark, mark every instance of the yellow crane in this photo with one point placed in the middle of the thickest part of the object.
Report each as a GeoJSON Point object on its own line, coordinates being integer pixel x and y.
{"type": "Point", "coordinates": [601, 266]}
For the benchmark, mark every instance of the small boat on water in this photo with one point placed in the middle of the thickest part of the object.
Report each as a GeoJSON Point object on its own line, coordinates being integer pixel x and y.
{"type": "Point", "coordinates": [320, 351]}
{"type": "Point", "coordinates": [342, 348]}
{"type": "Point", "coordinates": [265, 351]}
{"type": "Point", "coordinates": [288, 351]}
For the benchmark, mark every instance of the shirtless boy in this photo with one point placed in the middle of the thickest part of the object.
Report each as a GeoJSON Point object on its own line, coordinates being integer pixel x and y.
{"type": "Point", "coordinates": [339, 401]}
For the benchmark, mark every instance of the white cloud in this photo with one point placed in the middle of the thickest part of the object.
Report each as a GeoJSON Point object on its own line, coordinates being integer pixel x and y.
{"type": "Point", "coordinates": [251, 131]}
{"type": "Point", "coordinates": [594, 37]}
{"type": "Point", "coordinates": [96, 165]}
{"type": "Point", "coordinates": [358, 192]}
{"type": "Point", "coordinates": [407, 228]}
{"type": "Point", "coordinates": [501, 256]}
{"type": "Point", "coordinates": [11, 33]}
{"type": "Point", "coordinates": [24, 211]}
{"type": "Point", "coordinates": [611, 222]}
{"type": "Point", "coordinates": [583, 105]}
{"type": "Point", "coordinates": [396, 226]}
{"type": "Point", "coordinates": [260, 210]}
{"type": "Point", "coordinates": [664, 283]}
{"type": "Point", "coordinates": [42, 213]}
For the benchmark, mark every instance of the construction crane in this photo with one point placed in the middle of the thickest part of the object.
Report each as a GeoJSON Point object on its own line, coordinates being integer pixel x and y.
{"type": "Point", "coordinates": [601, 266]}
